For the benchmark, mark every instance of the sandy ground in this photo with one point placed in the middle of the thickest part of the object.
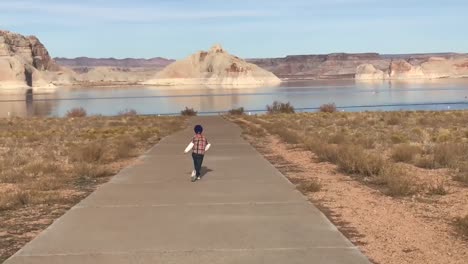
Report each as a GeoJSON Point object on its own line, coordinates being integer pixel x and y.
{"type": "Point", "coordinates": [416, 230]}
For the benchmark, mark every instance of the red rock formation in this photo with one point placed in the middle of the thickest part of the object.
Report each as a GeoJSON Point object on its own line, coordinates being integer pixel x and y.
{"type": "Point", "coordinates": [30, 49]}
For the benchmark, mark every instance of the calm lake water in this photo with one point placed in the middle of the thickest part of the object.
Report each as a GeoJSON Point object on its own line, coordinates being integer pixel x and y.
{"type": "Point", "coordinates": [348, 95]}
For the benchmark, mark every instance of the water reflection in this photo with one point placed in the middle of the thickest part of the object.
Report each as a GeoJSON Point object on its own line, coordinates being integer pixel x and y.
{"type": "Point", "coordinates": [24, 105]}
{"type": "Point", "coordinates": [302, 94]}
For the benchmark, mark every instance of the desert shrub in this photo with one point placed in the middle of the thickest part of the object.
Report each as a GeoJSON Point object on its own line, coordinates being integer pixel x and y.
{"type": "Point", "coordinates": [251, 129]}
{"type": "Point", "coordinates": [146, 134]}
{"type": "Point", "coordinates": [405, 153]}
{"type": "Point", "coordinates": [461, 173]}
{"type": "Point", "coordinates": [354, 159]}
{"type": "Point", "coordinates": [461, 177]}
{"type": "Point", "coordinates": [280, 108]}
{"type": "Point", "coordinates": [398, 138]}
{"type": "Point", "coordinates": [12, 200]}
{"type": "Point", "coordinates": [393, 120]}
{"type": "Point", "coordinates": [128, 112]}
{"type": "Point", "coordinates": [438, 189]}
{"type": "Point", "coordinates": [49, 197]}
{"type": "Point", "coordinates": [461, 225]}
{"type": "Point", "coordinates": [448, 154]}
{"type": "Point", "coordinates": [287, 135]}
{"type": "Point", "coordinates": [12, 176]}
{"type": "Point", "coordinates": [48, 183]}
{"type": "Point", "coordinates": [324, 152]}
{"type": "Point", "coordinates": [425, 162]}
{"type": "Point", "coordinates": [188, 112]}
{"type": "Point", "coordinates": [87, 170]}
{"type": "Point", "coordinates": [312, 185]}
{"type": "Point", "coordinates": [124, 147]}
{"type": "Point", "coordinates": [365, 141]}
{"type": "Point", "coordinates": [397, 181]}
{"type": "Point", "coordinates": [38, 167]}
{"type": "Point", "coordinates": [255, 131]}
{"type": "Point", "coordinates": [339, 138]}
{"type": "Point", "coordinates": [76, 112]}
{"type": "Point", "coordinates": [90, 152]}
{"type": "Point", "coordinates": [237, 111]}
{"type": "Point", "coordinates": [328, 108]}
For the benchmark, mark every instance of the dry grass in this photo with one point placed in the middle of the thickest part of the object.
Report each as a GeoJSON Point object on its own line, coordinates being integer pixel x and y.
{"type": "Point", "coordinates": [396, 181]}
{"type": "Point", "coordinates": [405, 153]}
{"type": "Point", "coordinates": [355, 160]}
{"type": "Point", "coordinates": [50, 163]}
{"type": "Point", "coordinates": [370, 145]}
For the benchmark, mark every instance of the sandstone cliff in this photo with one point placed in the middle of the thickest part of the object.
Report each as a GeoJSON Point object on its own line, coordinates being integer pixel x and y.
{"type": "Point", "coordinates": [430, 68]}
{"type": "Point", "coordinates": [213, 67]}
{"type": "Point", "coordinates": [346, 65]}
{"type": "Point", "coordinates": [25, 62]}
{"type": "Point", "coordinates": [369, 72]}
{"type": "Point", "coordinates": [329, 66]}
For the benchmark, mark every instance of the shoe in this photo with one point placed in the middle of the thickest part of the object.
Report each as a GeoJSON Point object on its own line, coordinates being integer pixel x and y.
{"type": "Point", "coordinates": [194, 176]}
{"type": "Point", "coordinates": [198, 178]}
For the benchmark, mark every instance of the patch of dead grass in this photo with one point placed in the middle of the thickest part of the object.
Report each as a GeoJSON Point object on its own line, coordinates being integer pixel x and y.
{"type": "Point", "coordinates": [54, 162]}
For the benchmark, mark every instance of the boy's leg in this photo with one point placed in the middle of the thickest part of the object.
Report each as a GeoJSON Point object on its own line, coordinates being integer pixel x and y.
{"type": "Point", "coordinates": [198, 164]}
{"type": "Point", "coordinates": [201, 162]}
{"type": "Point", "coordinates": [195, 164]}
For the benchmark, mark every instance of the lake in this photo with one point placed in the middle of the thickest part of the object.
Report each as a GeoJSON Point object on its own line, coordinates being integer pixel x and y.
{"type": "Point", "coordinates": [348, 95]}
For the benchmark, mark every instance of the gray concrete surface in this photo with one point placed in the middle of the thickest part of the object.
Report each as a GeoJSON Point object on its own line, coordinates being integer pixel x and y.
{"type": "Point", "coordinates": [242, 211]}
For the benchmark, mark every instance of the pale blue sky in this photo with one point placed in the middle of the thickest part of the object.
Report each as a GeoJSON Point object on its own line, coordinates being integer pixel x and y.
{"type": "Point", "coordinates": [255, 28]}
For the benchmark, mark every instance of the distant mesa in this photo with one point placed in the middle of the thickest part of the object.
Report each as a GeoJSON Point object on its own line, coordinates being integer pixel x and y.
{"type": "Point", "coordinates": [214, 67]}
{"type": "Point", "coordinates": [429, 68]}
{"type": "Point", "coordinates": [357, 65]}
{"type": "Point", "coordinates": [83, 64]}
{"type": "Point", "coordinates": [25, 63]}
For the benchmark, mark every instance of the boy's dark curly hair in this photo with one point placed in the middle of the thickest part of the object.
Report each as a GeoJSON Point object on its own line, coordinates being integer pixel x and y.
{"type": "Point", "coordinates": [198, 129]}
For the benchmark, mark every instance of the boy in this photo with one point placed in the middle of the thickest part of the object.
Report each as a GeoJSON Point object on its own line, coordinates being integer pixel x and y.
{"type": "Point", "coordinates": [199, 145]}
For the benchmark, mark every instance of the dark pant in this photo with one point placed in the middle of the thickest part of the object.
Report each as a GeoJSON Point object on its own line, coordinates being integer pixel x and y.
{"type": "Point", "coordinates": [197, 162]}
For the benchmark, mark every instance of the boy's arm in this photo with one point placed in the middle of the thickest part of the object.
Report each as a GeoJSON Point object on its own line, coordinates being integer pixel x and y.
{"type": "Point", "coordinates": [189, 147]}
{"type": "Point", "coordinates": [208, 145]}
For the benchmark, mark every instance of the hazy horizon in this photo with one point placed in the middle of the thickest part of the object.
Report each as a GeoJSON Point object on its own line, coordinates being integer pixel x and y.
{"type": "Point", "coordinates": [250, 29]}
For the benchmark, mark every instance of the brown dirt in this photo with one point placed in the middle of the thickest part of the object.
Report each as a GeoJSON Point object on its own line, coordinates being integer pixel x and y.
{"type": "Point", "coordinates": [416, 230]}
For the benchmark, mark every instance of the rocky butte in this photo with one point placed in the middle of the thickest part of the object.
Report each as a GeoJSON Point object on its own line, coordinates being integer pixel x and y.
{"type": "Point", "coordinates": [214, 67]}
{"type": "Point", "coordinates": [26, 63]}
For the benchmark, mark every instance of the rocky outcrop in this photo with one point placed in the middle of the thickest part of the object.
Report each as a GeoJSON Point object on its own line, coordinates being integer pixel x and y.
{"type": "Point", "coordinates": [328, 66]}
{"type": "Point", "coordinates": [401, 69]}
{"type": "Point", "coordinates": [213, 67]}
{"type": "Point", "coordinates": [369, 72]}
{"type": "Point", "coordinates": [25, 62]}
{"type": "Point", "coordinates": [430, 68]}
{"type": "Point", "coordinates": [343, 65]}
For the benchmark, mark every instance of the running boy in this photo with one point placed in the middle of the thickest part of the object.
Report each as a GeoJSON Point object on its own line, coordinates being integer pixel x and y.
{"type": "Point", "coordinates": [199, 145]}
